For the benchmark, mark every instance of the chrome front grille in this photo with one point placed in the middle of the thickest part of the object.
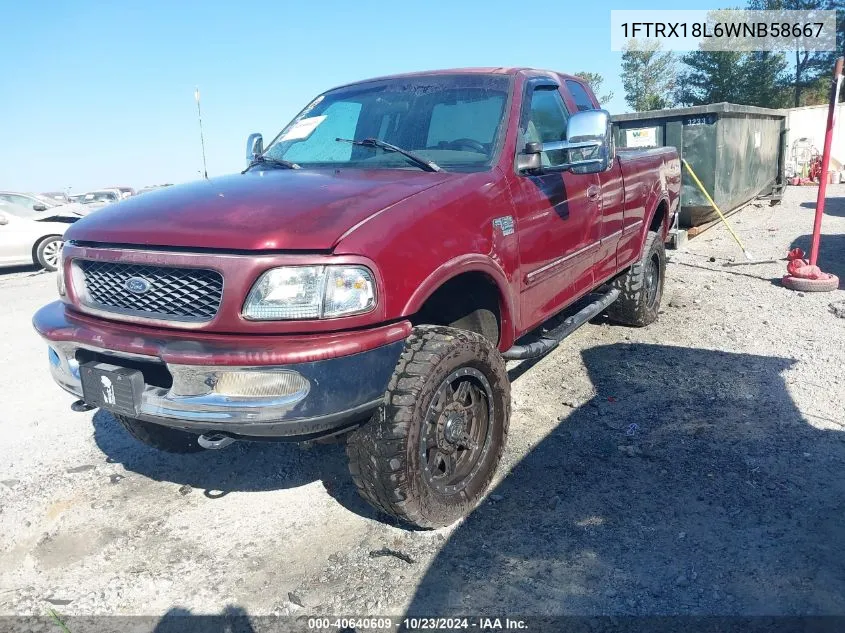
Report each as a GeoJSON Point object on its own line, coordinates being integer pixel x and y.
{"type": "Point", "coordinates": [155, 292]}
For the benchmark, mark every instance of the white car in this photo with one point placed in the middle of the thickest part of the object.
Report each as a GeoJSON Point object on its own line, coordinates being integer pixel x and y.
{"type": "Point", "coordinates": [26, 240]}
{"type": "Point", "coordinates": [45, 206]}
{"type": "Point", "coordinates": [101, 197]}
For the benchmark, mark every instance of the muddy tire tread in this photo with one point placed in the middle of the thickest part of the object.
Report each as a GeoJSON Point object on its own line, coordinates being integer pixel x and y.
{"type": "Point", "coordinates": [631, 308]}
{"type": "Point", "coordinates": [378, 450]}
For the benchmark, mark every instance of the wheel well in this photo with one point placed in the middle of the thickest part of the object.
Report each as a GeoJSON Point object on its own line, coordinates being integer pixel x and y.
{"type": "Point", "coordinates": [466, 302]}
{"type": "Point", "coordinates": [39, 243]}
{"type": "Point", "coordinates": [659, 218]}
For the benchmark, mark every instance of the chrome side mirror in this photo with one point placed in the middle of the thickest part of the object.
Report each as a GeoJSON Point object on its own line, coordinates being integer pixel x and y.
{"type": "Point", "coordinates": [3, 219]}
{"type": "Point", "coordinates": [589, 132]}
{"type": "Point", "coordinates": [39, 206]}
{"type": "Point", "coordinates": [254, 147]}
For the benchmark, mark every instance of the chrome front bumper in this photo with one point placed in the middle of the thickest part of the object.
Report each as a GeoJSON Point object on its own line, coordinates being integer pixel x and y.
{"type": "Point", "coordinates": [319, 397]}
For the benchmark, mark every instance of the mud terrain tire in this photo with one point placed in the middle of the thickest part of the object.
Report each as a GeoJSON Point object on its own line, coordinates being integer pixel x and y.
{"type": "Point", "coordinates": [641, 286]}
{"type": "Point", "coordinates": [429, 453]}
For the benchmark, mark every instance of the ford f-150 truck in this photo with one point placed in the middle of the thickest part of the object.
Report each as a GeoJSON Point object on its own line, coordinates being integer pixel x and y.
{"type": "Point", "coordinates": [368, 274]}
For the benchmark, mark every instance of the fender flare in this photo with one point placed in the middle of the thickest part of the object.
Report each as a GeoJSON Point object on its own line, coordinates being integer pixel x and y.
{"type": "Point", "coordinates": [660, 196]}
{"type": "Point", "coordinates": [464, 264]}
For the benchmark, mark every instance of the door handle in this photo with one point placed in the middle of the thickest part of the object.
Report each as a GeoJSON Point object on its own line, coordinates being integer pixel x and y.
{"type": "Point", "coordinates": [594, 192]}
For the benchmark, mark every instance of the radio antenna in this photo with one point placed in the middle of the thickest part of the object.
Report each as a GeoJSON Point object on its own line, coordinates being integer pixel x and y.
{"type": "Point", "coordinates": [202, 138]}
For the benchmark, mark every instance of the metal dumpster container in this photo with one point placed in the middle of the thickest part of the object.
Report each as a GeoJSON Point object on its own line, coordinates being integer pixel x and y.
{"type": "Point", "coordinates": [737, 152]}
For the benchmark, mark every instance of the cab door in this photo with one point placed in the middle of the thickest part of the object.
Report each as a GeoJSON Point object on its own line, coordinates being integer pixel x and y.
{"type": "Point", "coordinates": [16, 240]}
{"type": "Point", "coordinates": [558, 212]}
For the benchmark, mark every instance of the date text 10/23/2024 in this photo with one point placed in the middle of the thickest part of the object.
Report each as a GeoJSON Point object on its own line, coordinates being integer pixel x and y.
{"type": "Point", "coordinates": [418, 624]}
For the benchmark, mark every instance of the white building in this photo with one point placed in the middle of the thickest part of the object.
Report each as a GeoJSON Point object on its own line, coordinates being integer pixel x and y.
{"type": "Point", "coordinates": [810, 123]}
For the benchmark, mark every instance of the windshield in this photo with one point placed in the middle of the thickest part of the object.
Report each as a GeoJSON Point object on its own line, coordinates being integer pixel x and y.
{"type": "Point", "coordinates": [452, 120]}
{"type": "Point", "coordinates": [48, 202]}
{"type": "Point", "coordinates": [100, 196]}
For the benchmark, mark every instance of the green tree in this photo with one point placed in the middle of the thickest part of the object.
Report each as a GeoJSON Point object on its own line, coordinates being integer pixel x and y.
{"type": "Point", "coordinates": [648, 76]}
{"type": "Point", "coordinates": [765, 77]}
{"type": "Point", "coordinates": [817, 93]}
{"type": "Point", "coordinates": [748, 78]}
{"type": "Point", "coordinates": [807, 66]}
{"type": "Point", "coordinates": [709, 77]}
{"type": "Point", "coordinates": [595, 80]}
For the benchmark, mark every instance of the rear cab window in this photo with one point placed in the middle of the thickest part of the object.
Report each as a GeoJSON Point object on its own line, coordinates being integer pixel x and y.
{"type": "Point", "coordinates": [582, 99]}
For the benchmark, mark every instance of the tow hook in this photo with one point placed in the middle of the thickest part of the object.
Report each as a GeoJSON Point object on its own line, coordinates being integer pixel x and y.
{"type": "Point", "coordinates": [215, 441]}
{"type": "Point", "coordinates": [80, 406]}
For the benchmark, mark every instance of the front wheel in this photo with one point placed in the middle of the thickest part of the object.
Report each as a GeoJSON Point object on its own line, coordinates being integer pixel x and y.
{"type": "Point", "coordinates": [47, 252]}
{"type": "Point", "coordinates": [429, 454]}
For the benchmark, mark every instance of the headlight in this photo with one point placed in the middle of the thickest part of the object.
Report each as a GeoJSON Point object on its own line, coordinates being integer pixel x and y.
{"type": "Point", "coordinates": [311, 292]}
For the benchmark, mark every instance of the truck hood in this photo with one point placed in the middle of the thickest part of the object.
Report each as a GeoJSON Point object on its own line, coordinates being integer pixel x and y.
{"type": "Point", "coordinates": [277, 209]}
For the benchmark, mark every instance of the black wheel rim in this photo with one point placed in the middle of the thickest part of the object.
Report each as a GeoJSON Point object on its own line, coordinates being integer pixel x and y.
{"type": "Point", "coordinates": [457, 431]}
{"type": "Point", "coordinates": [652, 280]}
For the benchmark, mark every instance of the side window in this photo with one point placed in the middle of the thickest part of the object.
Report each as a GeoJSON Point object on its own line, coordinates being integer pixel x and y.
{"type": "Point", "coordinates": [546, 122]}
{"type": "Point", "coordinates": [582, 99]}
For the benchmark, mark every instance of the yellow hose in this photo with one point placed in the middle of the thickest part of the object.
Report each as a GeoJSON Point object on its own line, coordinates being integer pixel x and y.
{"type": "Point", "coordinates": [718, 210]}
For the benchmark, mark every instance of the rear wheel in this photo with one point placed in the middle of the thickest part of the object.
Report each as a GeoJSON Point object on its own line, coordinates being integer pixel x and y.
{"type": "Point", "coordinates": [47, 252]}
{"type": "Point", "coordinates": [428, 456]}
{"type": "Point", "coordinates": [161, 437]}
{"type": "Point", "coordinates": [641, 286]}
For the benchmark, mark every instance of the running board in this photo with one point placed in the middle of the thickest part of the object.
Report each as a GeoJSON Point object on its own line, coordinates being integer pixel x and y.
{"type": "Point", "coordinates": [552, 338]}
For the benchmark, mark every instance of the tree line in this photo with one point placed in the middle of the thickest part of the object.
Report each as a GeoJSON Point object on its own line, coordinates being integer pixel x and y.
{"type": "Point", "coordinates": [654, 79]}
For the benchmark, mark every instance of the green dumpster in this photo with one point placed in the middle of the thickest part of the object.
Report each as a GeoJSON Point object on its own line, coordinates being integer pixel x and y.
{"type": "Point", "coordinates": [737, 151]}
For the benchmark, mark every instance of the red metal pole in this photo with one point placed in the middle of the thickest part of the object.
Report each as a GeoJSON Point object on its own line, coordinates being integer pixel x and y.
{"type": "Point", "coordinates": [828, 141]}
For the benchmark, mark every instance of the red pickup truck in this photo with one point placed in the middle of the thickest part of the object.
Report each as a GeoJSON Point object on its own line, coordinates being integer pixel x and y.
{"type": "Point", "coordinates": [370, 272]}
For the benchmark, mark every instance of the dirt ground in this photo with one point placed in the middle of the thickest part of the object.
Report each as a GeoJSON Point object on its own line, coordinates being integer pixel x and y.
{"type": "Point", "coordinates": [696, 466]}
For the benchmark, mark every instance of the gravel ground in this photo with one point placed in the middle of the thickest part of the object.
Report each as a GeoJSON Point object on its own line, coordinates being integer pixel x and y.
{"type": "Point", "coordinates": [691, 467]}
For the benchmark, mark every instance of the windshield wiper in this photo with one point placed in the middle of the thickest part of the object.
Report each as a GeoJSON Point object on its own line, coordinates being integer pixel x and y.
{"type": "Point", "coordinates": [267, 160]}
{"type": "Point", "coordinates": [419, 161]}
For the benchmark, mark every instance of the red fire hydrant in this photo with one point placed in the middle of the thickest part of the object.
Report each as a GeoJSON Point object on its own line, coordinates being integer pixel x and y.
{"type": "Point", "coordinates": [803, 274]}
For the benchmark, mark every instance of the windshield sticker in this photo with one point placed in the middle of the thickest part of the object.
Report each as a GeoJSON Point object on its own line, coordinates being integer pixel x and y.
{"type": "Point", "coordinates": [303, 128]}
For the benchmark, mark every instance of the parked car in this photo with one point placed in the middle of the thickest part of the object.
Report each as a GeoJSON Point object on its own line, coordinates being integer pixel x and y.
{"type": "Point", "coordinates": [125, 192]}
{"type": "Point", "coordinates": [27, 239]}
{"type": "Point", "coordinates": [101, 197]}
{"type": "Point", "coordinates": [149, 188]}
{"type": "Point", "coordinates": [373, 270]}
{"type": "Point", "coordinates": [51, 209]}
{"type": "Point", "coordinates": [59, 196]}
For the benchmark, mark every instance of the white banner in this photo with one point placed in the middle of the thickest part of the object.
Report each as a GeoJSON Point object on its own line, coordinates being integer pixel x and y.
{"type": "Point", "coordinates": [724, 30]}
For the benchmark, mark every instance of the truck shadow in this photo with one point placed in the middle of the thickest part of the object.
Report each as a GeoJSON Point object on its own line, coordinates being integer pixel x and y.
{"type": "Point", "coordinates": [231, 619]}
{"type": "Point", "coordinates": [241, 467]}
{"type": "Point", "coordinates": [831, 253]}
{"type": "Point", "coordinates": [690, 484]}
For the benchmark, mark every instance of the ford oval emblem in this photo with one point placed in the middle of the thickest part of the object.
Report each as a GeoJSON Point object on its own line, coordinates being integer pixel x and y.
{"type": "Point", "coordinates": [137, 285]}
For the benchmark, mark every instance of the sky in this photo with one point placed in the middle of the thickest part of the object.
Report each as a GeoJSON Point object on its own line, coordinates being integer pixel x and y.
{"type": "Point", "coordinates": [96, 94]}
